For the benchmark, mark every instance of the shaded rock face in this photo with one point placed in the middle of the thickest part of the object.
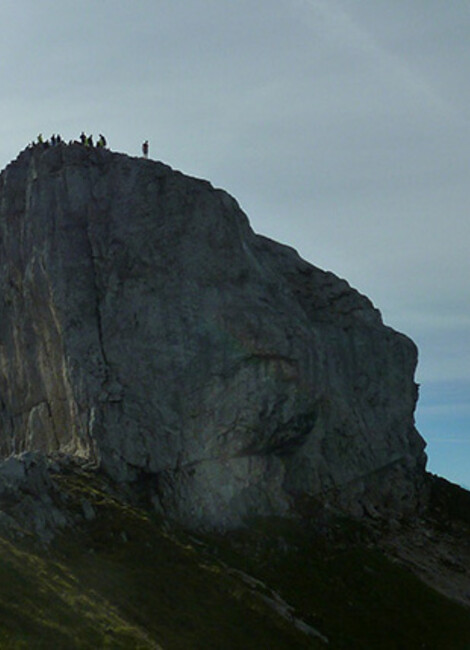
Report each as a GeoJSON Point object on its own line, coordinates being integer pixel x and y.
{"type": "Point", "coordinates": [29, 501]}
{"type": "Point", "coordinates": [145, 326]}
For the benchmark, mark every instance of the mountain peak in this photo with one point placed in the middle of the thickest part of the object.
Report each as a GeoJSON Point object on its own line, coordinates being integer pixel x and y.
{"type": "Point", "coordinates": [147, 328]}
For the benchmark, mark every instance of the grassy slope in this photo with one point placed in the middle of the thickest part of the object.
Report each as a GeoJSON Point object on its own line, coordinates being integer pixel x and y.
{"type": "Point", "coordinates": [356, 596]}
{"type": "Point", "coordinates": [125, 581]}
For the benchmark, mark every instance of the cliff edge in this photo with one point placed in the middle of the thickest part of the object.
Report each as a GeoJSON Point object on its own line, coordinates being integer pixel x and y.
{"type": "Point", "coordinates": [147, 328]}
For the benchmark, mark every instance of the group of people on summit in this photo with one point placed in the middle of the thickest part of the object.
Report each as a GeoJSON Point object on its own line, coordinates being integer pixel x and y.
{"type": "Point", "coordinates": [85, 140]}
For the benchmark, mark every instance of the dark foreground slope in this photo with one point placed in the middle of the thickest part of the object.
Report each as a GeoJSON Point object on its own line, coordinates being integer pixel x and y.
{"type": "Point", "coordinates": [122, 578]}
{"type": "Point", "coordinates": [147, 328]}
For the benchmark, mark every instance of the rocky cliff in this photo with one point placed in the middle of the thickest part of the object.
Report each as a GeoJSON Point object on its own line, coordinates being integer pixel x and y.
{"type": "Point", "coordinates": [146, 327]}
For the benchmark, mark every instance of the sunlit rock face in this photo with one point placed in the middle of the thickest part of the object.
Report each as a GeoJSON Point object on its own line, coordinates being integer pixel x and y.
{"type": "Point", "coordinates": [146, 326]}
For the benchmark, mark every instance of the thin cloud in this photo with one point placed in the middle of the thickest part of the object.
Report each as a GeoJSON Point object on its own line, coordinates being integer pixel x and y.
{"type": "Point", "coordinates": [449, 439]}
{"type": "Point", "coordinates": [341, 26]}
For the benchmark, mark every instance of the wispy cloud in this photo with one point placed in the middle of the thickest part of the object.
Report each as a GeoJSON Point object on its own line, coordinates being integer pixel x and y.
{"type": "Point", "coordinates": [342, 26]}
{"type": "Point", "coordinates": [449, 440]}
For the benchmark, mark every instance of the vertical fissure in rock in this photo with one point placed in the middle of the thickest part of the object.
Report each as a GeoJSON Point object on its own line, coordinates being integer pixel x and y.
{"type": "Point", "coordinates": [96, 291]}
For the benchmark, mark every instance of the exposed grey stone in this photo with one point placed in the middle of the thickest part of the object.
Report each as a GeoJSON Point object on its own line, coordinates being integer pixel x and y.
{"type": "Point", "coordinates": [88, 510]}
{"type": "Point", "coordinates": [147, 328]}
{"type": "Point", "coordinates": [25, 497]}
{"type": "Point", "coordinates": [12, 471]}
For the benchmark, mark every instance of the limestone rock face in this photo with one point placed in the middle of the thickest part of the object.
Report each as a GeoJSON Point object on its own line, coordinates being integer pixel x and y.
{"type": "Point", "coordinates": [27, 498]}
{"type": "Point", "coordinates": [146, 326]}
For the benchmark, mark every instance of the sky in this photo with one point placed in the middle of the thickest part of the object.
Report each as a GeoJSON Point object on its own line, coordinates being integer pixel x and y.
{"type": "Point", "coordinates": [340, 126]}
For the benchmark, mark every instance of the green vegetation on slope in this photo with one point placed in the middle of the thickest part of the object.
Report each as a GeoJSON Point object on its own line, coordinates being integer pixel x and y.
{"type": "Point", "coordinates": [125, 580]}
{"type": "Point", "coordinates": [351, 592]}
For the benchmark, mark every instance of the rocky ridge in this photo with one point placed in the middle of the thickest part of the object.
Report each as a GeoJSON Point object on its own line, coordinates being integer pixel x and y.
{"type": "Point", "coordinates": [149, 331]}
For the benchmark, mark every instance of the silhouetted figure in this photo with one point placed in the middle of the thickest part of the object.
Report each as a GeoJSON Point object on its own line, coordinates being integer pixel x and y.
{"type": "Point", "coordinates": [83, 137]}
{"type": "Point", "coordinates": [102, 141]}
{"type": "Point", "coordinates": [40, 139]}
{"type": "Point", "coordinates": [89, 141]}
{"type": "Point", "coordinates": [53, 140]}
{"type": "Point", "coordinates": [145, 149]}
{"type": "Point", "coordinates": [58, 139]}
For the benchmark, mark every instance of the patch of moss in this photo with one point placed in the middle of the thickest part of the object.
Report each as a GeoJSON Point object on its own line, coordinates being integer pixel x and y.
{"type": "Point", "coordinates": [42, 605]}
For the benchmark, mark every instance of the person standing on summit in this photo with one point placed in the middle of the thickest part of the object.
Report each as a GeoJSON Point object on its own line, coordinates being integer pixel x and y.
{"type": "Point", "coordinates": [145, 149]}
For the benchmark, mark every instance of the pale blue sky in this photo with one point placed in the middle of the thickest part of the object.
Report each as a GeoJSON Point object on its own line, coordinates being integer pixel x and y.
{"type": "Point", "coordinates": [341, 127]}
